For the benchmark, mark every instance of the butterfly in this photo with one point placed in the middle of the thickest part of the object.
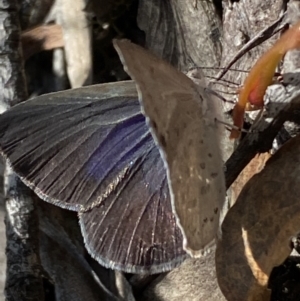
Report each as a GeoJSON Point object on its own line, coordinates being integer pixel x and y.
{"type": "Point", "coordinates": [90, 150]}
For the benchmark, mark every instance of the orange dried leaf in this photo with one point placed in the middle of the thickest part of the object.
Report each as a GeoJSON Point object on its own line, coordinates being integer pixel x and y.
{"type": "Point", "coordinates": [261, 75]}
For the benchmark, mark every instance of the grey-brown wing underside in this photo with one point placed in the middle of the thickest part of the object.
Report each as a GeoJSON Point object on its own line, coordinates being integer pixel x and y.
{"type": "Point", "coordinates": [182, 124]}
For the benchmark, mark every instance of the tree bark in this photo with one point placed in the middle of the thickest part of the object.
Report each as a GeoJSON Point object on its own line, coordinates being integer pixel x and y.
{"type": "Point", "coordinates": [23, 281]}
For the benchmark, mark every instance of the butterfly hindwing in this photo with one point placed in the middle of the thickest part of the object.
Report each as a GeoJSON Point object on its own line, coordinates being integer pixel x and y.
{"type": "Point", "coordinates": [142, 221]}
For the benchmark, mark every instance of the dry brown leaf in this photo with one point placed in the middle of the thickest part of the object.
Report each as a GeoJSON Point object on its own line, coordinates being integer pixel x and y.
{"type": "Point", "coordinates": [254, 167]}
{"type": "Point", "coordinates": [256, 231]}
{"type": "Point", "coordinates": [43, 37]}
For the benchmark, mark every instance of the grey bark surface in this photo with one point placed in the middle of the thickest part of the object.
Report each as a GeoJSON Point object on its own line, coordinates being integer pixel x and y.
{"type": "Point", "coordinates": [2, 238]}
{"type": "Point", "coordinates": [181, 33]}
{"type": "Point", "coordinates": [194, 280]}
{"type": "Point", "coordinates": [23, 276]}
{"type": "Point", "coordinates": [242, 21]}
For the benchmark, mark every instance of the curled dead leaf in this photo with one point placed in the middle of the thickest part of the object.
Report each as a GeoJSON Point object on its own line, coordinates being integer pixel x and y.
{"type": "Point", "coordinates": [256, 231]}
{"type": "Point", "coordinates": [254, 167]}
{"type": "Point", "coordinates": [40, 38]}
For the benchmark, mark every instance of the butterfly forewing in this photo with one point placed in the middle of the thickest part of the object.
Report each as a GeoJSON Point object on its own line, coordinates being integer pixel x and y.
{"type": "Point", "coordinates": [90, 150]}
{"type": "Point", "coordinates": [184, 127]}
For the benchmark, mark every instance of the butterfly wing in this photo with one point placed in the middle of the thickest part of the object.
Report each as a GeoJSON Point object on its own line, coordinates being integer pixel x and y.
{"type": "Point", "coordinates": [90, 150]}
{"type": "Point", "coordinates": [183, 125]}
